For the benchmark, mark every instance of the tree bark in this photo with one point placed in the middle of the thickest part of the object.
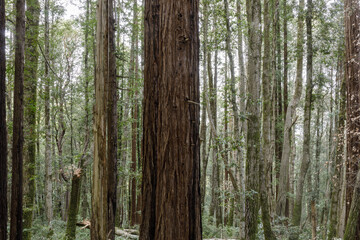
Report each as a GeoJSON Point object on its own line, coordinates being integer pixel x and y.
{"type": "Point", "coordinates": [352, 21]}
{"type": "Point", "coordinates": [48, 160]}
{"type": "Point", "coordinates": [171, 144]}
{"type": "Point", "coordinates": [204, 156]}
{"type": "Point", "coordinates": [253, 9]}
{"type": "Point", "coordinates": [30, 95]}
{"type": "Point", "coordinates": [266, 162]}
{"type": "Point", "coordinates": [85, 203]}
{"type": "Point", "coordinates": [16, 221]}
{"type": "Point", "coordinates": [284, 167]}
{"type": "Point", "coordinates": [3, 128]}
{"type": "Point", "coordinates": [105, 127]}
{"type": "Point", "coordinates": [242, 109]}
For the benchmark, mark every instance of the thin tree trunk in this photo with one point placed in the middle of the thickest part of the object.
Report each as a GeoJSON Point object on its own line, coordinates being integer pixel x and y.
{"type": "Point", "coordinates": [204, 157]}
{"type": "Point", "coordinates": [296, 218]}
{"type": "Point", "coordinates": [253, 9]}
{"type": "Point", "coordinates": [134, 113]}
{"type": "Point", "coordinates": [265, 163]}
{"type": "Point", "coordinates": [233, 94]}
{"type": "Point", "coordinates": [30, 95]}
{"type": "Point", "coordinates": [242, 110]}
{"type": "Point", "coordinates": [339, 157]}
{"type": "Point", "coordinates": [284, 167]}
{"type": "Point", "coordinates": [278, 106]}
{"type": "Point", "coordinates": [48, 160]}
{"type": "Point", "coordinates": [16, 221]}
{"type": "Point", "coordinates": [215, 205]}
{"type": "Point", "coordinates": [3, 128]}
{"type": "Point", "coordinates": [315, 194]}
{"type": "Point", "coordinates": [84, 203]}
{"type": "Point", "coordinates": [292, 170]}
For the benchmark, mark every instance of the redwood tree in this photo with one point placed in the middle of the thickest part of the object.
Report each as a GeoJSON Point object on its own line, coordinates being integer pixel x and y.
{"type": "Point", "coordinates": [104, 167]}
{"type": "Point", "coordinates": [16, 223]}
{"type": "Point", "coordinates": [171, 145]}
{"type": "Point", "coordinates": [30, 95]}
{"type": "Point", "coordinates": [352, 21]}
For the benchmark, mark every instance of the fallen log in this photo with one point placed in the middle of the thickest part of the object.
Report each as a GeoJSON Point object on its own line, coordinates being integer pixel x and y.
{"type": "Point", "coordinates": [122, 233]}
{"type": "Point", "coordinates": [127, 233]}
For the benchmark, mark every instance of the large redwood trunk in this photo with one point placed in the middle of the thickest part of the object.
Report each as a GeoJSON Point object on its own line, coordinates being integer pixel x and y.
{"type": "Point", "coordinates": [171, 145]}
{"type": "Point", "coordinates": [352, 69]}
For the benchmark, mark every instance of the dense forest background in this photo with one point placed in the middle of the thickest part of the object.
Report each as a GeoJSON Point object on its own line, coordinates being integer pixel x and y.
{"type": "Point", "coordinates": [279, 117]}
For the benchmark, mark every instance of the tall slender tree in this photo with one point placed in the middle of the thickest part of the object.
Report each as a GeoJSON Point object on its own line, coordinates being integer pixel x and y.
{"type": "Point", "coordinates": [16, 222]}
{"type": "Point", "coordinates": [307, 119]}
{"type": "Point", "coordinates": [284, 167]}
{"type": "Point", "coordinates": [171, 145]}
{"type": "Point", "coordinates": [253, 9]}
{"type": "Point", "coordinates": [105, 128]}
{"type": "Point", "coordinates": [242, 110]}
{"type": "Point", "coordinates": [48, 160]}
{"type": "Point", "coordinates": [265, 163]}
{"type": "Point", "coordinates": [3, 131]}
{"type": "Point", "coordinates": [30, 95]}
{"type": "Point", "coordinates": [134, 111]}
{"type": "Point", "coordinates": [339, 156]}
{"type": "Point", "coordinates": [203, 128]}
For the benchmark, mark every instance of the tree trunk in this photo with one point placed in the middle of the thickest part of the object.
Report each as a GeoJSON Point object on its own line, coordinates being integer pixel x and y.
{"type": "Point", "coordinates": [215, 205]}
{"type": "Point", "coordinates": [171, 144]}
{"type": "Point", "coordinates": [315, 192]}
{"type": "Point", "coordinates": [134, 112]}
{"type": "Point", "coordinates": [284, 167]}
{"type": "Point", "coordinates": [286, 64]}
{"type": "Point", "coordinates": [352, 21]}
{"type": "Point", "coordinates": [292, 170]}
{"type": "Point", "coordinates": [296, 218]}
{"type": "Point", "coordinates": [253, 9]}
{"type": "Point", "coordinates": [278, 106]}
{"type": "Point", "coordinates": [48, 160]}
{"type": "Point", "coordinates": [242, 111]}
{"type": "Point", "coordinates": [3, 128]}
{"type": "Point", "coordinates": [30, 95]}
{"type": "Point", "coordinates": [266, 162]}
{"type": "Point", "coordinates": [84, 203]}
{"type": "Point", "coordinates": [339, 158]}
{"type": "Point", "coordinates": [204, 156]}
{"type": "Point", "coordinates": [111, 125]}
{"type": "Point", "coordinates": [74, 205]}
{"type": "Point", "coordinates": [105, 128]}
{"type": "Point", "coordinates": [16, 222]}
